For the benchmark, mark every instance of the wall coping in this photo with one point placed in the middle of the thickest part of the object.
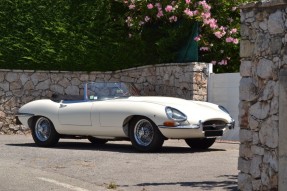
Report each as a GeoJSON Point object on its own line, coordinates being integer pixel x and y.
{"type": "Point", "coordinates": [105, 72]}
{"type": "Point", "coordinates": [263, 4]}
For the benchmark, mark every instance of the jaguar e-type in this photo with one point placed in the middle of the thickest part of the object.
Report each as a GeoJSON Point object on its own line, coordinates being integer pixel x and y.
{"type": "Point", "coordinates": [114, 111]}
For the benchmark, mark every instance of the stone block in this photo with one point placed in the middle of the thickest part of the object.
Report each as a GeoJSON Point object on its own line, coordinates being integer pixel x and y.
{"type": "Point", "coordinates": [255, 166]}
{"type": "Point", "coordinates": [268, 91]}
{"type": "Point", "coordinates": [245, 151]}
{"type": "Point", "coordinates": [243, 114]}
{"type": "Point", "coordinates": [4, 86]}
{"type": "Point", "coordinates": [253, 123]}
{"type": "Point", "coordinates": [257, 150]}
{"type": "Point", "coordinates": [57, 89]}
{"type": "Point", "coordinates": [246, 68]}
{"type": "Point", "coordinates": [244, 165]}
{"type": "Point", "coordinates": [24, 78]}
{"type": "Point", "coordinates": [256, 185]}
{"type": "Point", "coordinates": [265, 69]}
{"type": "Point", "coordinates": [72, 90]}
{"type": "Point", "coordinates": [246, 48]}
{"type": "Point", "coordinates": [276, 23]}
{"type": "Point", "coordinates": [260, 110]}
{"type": "Point", "coordinates": [247, 90]}
{"type": "Point", "coordinates": [276, 45]}
{"type": "Point", "coordinates": [43, 85]}
{"type": "Point", "coordinates": [263, 25]}
{"type": "Point", "coordinates": [271, 159]}
{"type": "Point", "coordinates": [244, 182]}
{"type": "Point", "coordinates": [269, 134]}
{"type": "Point", "coordinates": [245, 135]}
{"type": "Point", "coordinates": [11, 76]}
{"type": "Point", "coordinates": [262, 43]}
{"type": "Point", "coordinates": [274, 106]}
{"type": "Point", "coordinates": [15, 85]}
{"type": "Point", "coordinates": [255, 139]}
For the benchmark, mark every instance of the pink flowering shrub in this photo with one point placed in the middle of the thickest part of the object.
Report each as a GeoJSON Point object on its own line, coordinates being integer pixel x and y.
{"type": "Point", "coordinates": [215, 28]}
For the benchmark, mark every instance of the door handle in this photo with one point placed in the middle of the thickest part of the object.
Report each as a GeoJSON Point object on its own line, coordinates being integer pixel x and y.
{"type": "Point", "coordinates": [62, 105]}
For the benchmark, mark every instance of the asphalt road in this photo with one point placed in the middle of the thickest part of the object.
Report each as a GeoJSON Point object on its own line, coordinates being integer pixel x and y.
{"type": "Point", "coordinates": [77, 165]}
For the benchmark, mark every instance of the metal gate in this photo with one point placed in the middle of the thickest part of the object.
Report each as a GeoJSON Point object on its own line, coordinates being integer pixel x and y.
{"type": "Point", "coordinates": [223, 89]}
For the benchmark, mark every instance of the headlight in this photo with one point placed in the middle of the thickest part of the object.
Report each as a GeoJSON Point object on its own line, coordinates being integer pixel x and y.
{"type": "Point", "coordinates": [223, 109]}
{"type": "Point", "coordinates": [174, 114]}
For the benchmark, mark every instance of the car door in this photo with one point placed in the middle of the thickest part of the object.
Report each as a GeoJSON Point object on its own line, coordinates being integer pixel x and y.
{"type": "Point", "coordinates": [75, 113]}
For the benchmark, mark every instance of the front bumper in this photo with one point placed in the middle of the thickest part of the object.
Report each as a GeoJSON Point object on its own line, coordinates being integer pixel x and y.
{"type": "Point", "coordinates": [199, 130]}
{"type": "Point", "coordinates": [200, 125]}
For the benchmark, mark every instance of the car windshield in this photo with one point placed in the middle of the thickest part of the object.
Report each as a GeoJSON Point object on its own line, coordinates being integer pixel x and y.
{"type": "Point", "coordinates": [109, 90]}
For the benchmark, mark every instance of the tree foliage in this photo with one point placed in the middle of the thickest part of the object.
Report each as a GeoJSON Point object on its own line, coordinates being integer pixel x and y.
{"type": "Point", "coordinates": [93, 35]}
{"type": "Point", "coordinates": [66, 35]}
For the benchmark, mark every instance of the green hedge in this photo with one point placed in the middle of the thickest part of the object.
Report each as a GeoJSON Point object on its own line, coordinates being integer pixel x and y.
{"type": "Point", "coordinates": [91, 35]}
{"type": "Point", "coordinates": [67, 35]}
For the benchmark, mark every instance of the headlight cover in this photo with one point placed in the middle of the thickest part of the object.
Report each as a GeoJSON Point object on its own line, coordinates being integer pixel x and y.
{"type": "Point", "coordinates": [175, 114]}
{"type": "Point", "coordinates": [223, 109]}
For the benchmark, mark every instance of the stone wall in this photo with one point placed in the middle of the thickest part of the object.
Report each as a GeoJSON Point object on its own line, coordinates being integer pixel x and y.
{"type": "Point", "coordinates": [264, 53]}
{"type": "Point", "coordinates": [18, 87]}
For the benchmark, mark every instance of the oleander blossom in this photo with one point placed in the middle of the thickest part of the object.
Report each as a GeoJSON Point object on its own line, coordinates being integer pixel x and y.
{"type": "Point", "coordinates": [197, 38]}
{"type": "Point", "coordinates": [147, 18]}
{"type": "Point", "coordinates": [174, 12]}
{"type": "Point", "coordinates": [132, 6]}
{"type": "Point", "coordinates": [204, 49]}
{"type": "Point", "coordinates": [168, 8]}
{"type": "Point", "coordinates": [188, 12]}
{"type": "Point", "coordinates": [150, 6]}
{"type": "Point", "coordinates": [172, 19]}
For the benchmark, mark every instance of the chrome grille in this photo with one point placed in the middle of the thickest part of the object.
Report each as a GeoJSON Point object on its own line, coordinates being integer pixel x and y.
{"type": "Point", "coordinates": [214, 125]}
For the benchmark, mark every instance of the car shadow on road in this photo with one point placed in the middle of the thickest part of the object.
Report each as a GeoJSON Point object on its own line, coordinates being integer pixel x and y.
{"type": "Point", "coordinates": [230, 184]}
{"type": "Point", "coordinates": [115, 147]}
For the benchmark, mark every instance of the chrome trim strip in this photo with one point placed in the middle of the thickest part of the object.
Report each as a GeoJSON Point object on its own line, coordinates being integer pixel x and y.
{"type": "Point", "coordinates": [200, 125]}
{"type": "Point", "coordinates": [24, 114]}
{"type": "Point", "coordinates": [196, 126]}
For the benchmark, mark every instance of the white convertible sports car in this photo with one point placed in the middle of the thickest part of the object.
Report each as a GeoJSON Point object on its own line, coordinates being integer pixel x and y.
{"type": "Point", "coordinates": [113, 111]}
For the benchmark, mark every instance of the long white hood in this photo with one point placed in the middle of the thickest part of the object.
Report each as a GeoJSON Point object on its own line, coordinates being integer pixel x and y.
{"type": "Point", "coordinates": [194, 110]}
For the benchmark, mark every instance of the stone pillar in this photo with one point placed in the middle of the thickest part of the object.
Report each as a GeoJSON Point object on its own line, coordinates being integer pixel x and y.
{"type": "Point", "coordinates": [263, 54]}
{"type": "Point", "coordinates": [283, 130]}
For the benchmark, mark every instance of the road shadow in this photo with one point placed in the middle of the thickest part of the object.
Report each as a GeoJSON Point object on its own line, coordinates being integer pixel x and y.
{"type": "Point", "coordinates": [229, 184]}
{"type": "Point", "coordinates": [114, 147]}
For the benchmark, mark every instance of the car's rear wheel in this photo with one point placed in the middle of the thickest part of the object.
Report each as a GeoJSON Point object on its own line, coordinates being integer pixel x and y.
{"type": "Point", "coordinates": [97, 141]}
{"type": "Point", "coordinates": [144, 135]}
{"type": "Point", "coordinates": [44, 133]}
{"type": "Point", "coordinates": [200, 143]}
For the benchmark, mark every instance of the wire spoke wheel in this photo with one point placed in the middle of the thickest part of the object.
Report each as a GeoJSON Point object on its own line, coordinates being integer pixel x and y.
{"type": "Point", "coordinates": [145, 135]}
{"type": "Point", "coordinates": [143, 132]}
{"type": "Point", "coordinates": [43, 129]}
{"type": "Point", "coordinates": [44, 133]}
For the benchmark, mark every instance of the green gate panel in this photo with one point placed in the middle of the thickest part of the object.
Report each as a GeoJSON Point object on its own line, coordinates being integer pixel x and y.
{"type": "Point", "coordinates": [189, 51]}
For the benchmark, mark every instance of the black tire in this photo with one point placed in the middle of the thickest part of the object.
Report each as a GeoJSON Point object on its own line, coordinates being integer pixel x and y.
{"type": "Point", "coordinates": [97, 141]}
{"type": "Point", "coordinates": [44, 133]}
{"type": "Point", "coordinates": [145, 135]}
{"type": "Point", "coordinates": [200, 143]}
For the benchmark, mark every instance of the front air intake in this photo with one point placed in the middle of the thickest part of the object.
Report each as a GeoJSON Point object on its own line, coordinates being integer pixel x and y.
{"type": "Point", "coordinates": [213, 128]}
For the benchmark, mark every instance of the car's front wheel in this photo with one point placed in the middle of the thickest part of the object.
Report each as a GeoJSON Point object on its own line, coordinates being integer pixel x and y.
{"type": "Point", "coordinates": [44, 133]}
{"type": "Point", "coordinates": [144, 135]}
{"type": "Point", "coordinates": [200, 143]}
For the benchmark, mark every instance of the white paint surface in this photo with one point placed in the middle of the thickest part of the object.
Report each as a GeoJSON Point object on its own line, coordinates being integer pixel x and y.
{"type": "Point", "coordinates": [223, 89]}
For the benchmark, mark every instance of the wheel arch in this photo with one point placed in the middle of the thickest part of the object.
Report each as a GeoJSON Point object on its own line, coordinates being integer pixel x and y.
{"type": "Point", "coordinates": [126, 123]}
{"type": "Point", "coordinates": [32, 120]}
